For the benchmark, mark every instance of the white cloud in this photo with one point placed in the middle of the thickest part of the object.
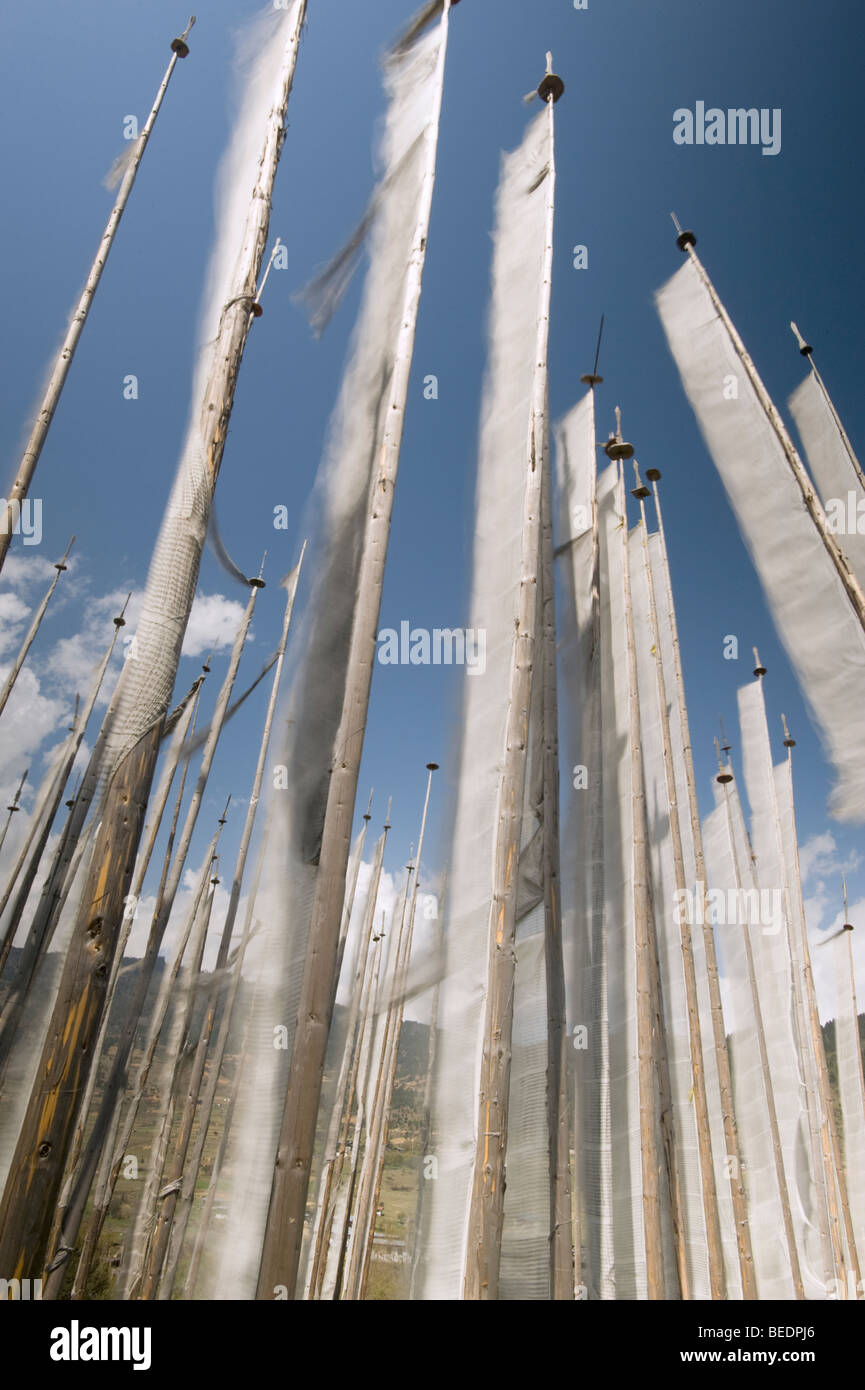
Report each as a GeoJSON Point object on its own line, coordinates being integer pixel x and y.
{"type": "Point", "coordinates": [213, 623]}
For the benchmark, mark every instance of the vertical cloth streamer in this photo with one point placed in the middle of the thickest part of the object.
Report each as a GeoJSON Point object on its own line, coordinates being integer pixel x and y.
{"type": "Point", "coordinates": [506, 413]}
{"type": "Point", "coordinates": [823, 638]}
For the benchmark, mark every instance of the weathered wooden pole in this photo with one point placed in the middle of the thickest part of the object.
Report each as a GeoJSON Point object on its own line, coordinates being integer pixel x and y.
{"type": "Point", "coordinates": [397, 1008]}
{"type": "Point", "coordinates": [167, 605]}
{"type": "Point", "coordinates": [95, 1153]}
{"type": "Point", "coordinates": [39, 432]}
{"type": "Point", "coordinates": [559, 1126]}
{"type": "Point", "coordinates": [58, 880]}
{"type": "Point", "coordinates": [806, 350]}
{"type": "Point", "coordinates": [170, 1168]}
{"type": "Point", "coordinates": [27, 1207]}
{"type": "Point", "coordinates": [717, 1280]}
{"type": "Point", "coordinates": [648, 985]}
{"type": "Point", "coordinates": [91, 952]}
{"type": "Point", "coordinates": [359, 1084]}
{"type": "Point", "coordinates": [284, 1233]}
{"type": "Point", "coordinates": [686, 242]}
{"type": "Point", "coordinates": [363, 1214]}
{"type": "Point", "coordinates": [836, 1187]}
{"type": "Point", "coordinates": [725, 777]}
{"type": "Point", "coordinates": [486, 1214]}
{"type": "Point", "coordinates": [719, 1032]}
{"type": "Point", "coordinates": [13, 807]}
{"type": "Point", "coordinates": [173, 1048]}
{"type": "Point", "coordinates": [174, 1171]}
{"type": "Point", "coordinates": [346, 1080]}
{"type": "Point", "coordinates": [60, 566]}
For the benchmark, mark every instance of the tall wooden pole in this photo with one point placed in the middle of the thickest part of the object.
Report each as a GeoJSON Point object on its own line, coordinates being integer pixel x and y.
{"type": "Point", "coordinates": [807, 351]}
{"type": "Point", "coordinates": [13, 807]}
{"type": "Point", "coordinates": [185, 726]}
{"type": "Point", "coordinates": [725, 777]}
{"type": "Point", "coordinates": [60, 566]}
{"type": "Point", "coordinates": [719, 1032]}
{"type": "Point", "coordinates": [68, 1058]}
{"type": "Point", "coordinates": [101, 914]}
{"type": "Point", "coordinates": [398, 1010]}
{"type": "Point", "coordinates": [558, 1118]}
{"type": "Point", "coordinates": [648, 986]}
{"type": "Point", "coordinates": [332, 1171]}
{"type": "Point", "coordinates": [836, 1187]}
{"type": "Point", "coordinates": [284, 1233]}
{"type": "Point", "coordinates": [717, 1280]}
{"type": "Point", "coordinates": [486, 1213]}
{"type": "Point", "coordinates": [823, 1168]}
{"type": "Point", "coordinates": [39, 432]}
{"type": "Point", "coordinates": [36, 1172]}
{"type": "Point", "coordinates": [174, 1171]}
{"type": "Point", "coordinates": [853, 589]}
{"type": "Point", "coordinates": [42, 926]}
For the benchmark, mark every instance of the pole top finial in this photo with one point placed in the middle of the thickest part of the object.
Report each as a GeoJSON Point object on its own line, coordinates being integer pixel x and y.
{"type": "Point", "coordinates": [120, 620]}
{"type": "Point", "coordinates": [616, 447]}
{"type": "Point", "coordinates": [640, 491]}
{"type": "Point", "coordinates": [683, 239]}
{"type": "Point", "coordinates": [759, 670]}
{"type": "Point", "coordinates": [432, 767]}
{"type": "Point", "coordinates": [552, 86]}
{"type": "Point", "coordinates": [591, 378]}
{"type": "Point", "coordinates": [179, 45]}
{"type": "Point", "coordinates": [788, 741]}
{"type": "Point", "coordinates": [804, 348]}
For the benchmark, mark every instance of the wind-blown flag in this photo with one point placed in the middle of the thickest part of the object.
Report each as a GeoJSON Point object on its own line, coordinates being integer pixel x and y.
{"type": "Point", "coordinates": [810, 607]}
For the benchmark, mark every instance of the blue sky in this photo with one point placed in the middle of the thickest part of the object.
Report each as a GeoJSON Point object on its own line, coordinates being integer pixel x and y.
{"type": "Point", "coordinates": [778, 235]}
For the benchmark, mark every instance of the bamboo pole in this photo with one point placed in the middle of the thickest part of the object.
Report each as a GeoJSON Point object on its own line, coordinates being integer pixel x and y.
{"type": "Point", "coordinates": [848, 928]}
{"type": "Point", "coordinates": [398, 1008]}
{"type": "Point", "coordinates": [823, 1172]}
{"type": "Point", "coordinates": [360, 1084]}
{"type": "Point", "coordinates": [183, 732]}
{"type": "Point", "coordinates": [717, 1280]}
{"type": "Point", "coordinates": [561, 1215]}
{"type": "Point", "coordinates": [180, 1063]}
{"type": "Point", "coordinates": [174, 1047]}
{"type": "Point", "coordinates": [185, 727]}
{"type": "Point", "coordinates": [780, 1177]}
{"type": "Point", "coordinates": [93, 1153]}
{"type": "Point", "coordinates": [37, 1167]}
{"type": "Point", "coordinates": [812, 502]}
{"type": "Point", "coordinates": [119, 836]}
{"type": "Point", "coordinates": [96, 934]}
{"type": "Point", "coordinates": [650, 1047]}
{"type": "Point", "coordinates": [426, 1123]}
{"type": "Point", "coordinates": [13, 807]}
{"type": "Point", "coordinates": [719, 1032]}
{"type": "Point", "coordinates": [346, 1080]}
{"type": "Point", "coordinates": [215, 1172]}
{"type": "Point", "coordinates": [60, 566]}
{"type": "Point", "coordinates": [284, 1233]}
{"type": "Point", "coordinates": [56, 887]}
{"type": "Point", "coordinates": [486, 1214]}
{"type": "Point", "coordinates": [39, 432]}
{"type": "Point", "coordinates": [174, 1172]}
{"type": "Point", "coordinates": [836, 1187]}
{"type": "Point", "coordinates": [363, 1215]}
{"type": "Point", "coordinates": [807, 351]}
